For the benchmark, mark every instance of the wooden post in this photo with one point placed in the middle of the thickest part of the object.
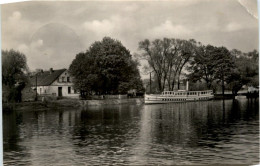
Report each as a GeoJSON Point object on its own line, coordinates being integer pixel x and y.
{"type": "Point", "coordinates": [150, 82]}
{"type": "Point", "coordinates": [36, 97]}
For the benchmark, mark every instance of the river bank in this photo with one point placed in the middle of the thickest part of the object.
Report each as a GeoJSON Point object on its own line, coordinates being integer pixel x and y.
{"type": "Point", "coordinates": [66, 103]}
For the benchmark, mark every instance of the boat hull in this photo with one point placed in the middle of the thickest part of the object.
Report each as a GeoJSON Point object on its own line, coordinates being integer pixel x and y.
{"type": "Point", "coordinates": [160, 99]}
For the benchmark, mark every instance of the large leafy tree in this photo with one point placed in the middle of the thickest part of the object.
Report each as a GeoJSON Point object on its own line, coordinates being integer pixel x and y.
{"type": "Point", "coordinates": [245, 71]}
{"type": "Point", "coordinates": [202, 66]}
{"type": "Point", "coordinates": [167, 58]}
{"type": "Point", "coordinates": [106, 67]}
{"type": "Point", "coordinates": [187, 52]}
{"type": "Point", "coordinates": [14, 67]}
{"type": "Point", "coordinates": [223, 65]}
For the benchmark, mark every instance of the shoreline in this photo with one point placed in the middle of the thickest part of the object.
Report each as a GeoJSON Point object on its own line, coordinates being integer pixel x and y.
{"type": "Point", "coordinates": [66, 103]}
{"type": "Point", "coordinates": [77, 103]}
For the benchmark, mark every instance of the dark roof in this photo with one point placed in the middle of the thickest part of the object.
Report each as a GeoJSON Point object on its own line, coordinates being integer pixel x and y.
{"type": "Point", "coordinates": [46, 78]}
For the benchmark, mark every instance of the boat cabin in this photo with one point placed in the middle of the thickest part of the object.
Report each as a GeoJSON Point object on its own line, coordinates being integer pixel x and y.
{"type": "Point", "coordinates": [187, 93]}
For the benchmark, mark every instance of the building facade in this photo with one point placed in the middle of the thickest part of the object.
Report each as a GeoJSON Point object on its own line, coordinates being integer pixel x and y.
{"type": "Point", "coordinates": [54, 83]}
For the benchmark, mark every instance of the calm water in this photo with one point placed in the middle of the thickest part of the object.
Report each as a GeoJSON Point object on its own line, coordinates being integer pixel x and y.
{"type": "Point", "coordinates": [205, 132]}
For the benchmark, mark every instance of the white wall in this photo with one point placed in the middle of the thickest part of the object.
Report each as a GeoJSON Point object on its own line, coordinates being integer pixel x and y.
{"type": "Point", "coordinates": [53, 88]}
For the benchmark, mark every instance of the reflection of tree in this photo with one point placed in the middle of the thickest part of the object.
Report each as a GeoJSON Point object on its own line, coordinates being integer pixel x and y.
{"type": "Point", "coordinates": [192, 124]}
{"type": "Point", "coordinates": [104, 130]}
{"type": "Point", "coordinates": [12, 138]}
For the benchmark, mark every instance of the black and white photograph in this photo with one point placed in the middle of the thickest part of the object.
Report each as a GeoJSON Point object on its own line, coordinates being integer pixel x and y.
{"type": "Point", "coordinates": [172, 82]}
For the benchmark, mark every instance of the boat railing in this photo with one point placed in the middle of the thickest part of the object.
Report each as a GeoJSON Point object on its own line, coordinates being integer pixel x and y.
{"type": "Point", "coordinates": [187, 93]}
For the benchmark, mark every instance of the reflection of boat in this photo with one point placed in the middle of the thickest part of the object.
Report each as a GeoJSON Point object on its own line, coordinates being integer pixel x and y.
{"type": "Point", "coordinates": [240, 97]}
{"type": "Point", "coordinates": [178, 96]}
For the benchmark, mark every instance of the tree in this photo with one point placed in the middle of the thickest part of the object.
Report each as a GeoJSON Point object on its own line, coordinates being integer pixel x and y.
{"type": "Point", "coordinates": [167, 58]}
{"type": "Point", "coordinates": [245, 71]}
{"type": "Point", "coordinates": [254, 55]}
{"type": "Point", "coordinates": [223, 65]}
{"type": "Point", "coordinates": [157, 54]}
{"type": "Point", "coordinates": [202, 66]}
{"type": "Point", "coordinates": [187, 51]}
{"type": "Point", "coordinates": [104, 67]}
{"type": "Point", "coordinates": [14, 66]}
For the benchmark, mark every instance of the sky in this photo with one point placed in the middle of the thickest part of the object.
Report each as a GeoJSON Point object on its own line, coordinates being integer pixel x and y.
{"type": "Point", "coordinates": [50, 34]}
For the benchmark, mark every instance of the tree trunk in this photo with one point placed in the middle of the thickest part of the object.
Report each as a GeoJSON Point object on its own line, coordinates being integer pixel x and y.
{"type": "Point", "coordinates": [159, 83]}
{"type": "Point", "coordinates": [169, 84]}
{"type": "Point", "coordinates": [178, 83]}
{"type": "Point", "coordinates": [223, 87]}
{"type": "Point", "coordinates": [179, 80]}
{"type": "Point", "coordinates": [173, 81]}
{"type": "Point", "coordinates": [208, 85]}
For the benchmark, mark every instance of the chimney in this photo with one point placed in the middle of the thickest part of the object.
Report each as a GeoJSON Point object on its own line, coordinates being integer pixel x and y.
{"type": "Point", "coordinates": [187, 85]}
{"type": "Point", "coordinates": [51, 70]}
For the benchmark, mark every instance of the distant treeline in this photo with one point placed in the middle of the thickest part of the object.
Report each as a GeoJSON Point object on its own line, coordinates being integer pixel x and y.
{"type": "Point", "coordinates": [206, 66]}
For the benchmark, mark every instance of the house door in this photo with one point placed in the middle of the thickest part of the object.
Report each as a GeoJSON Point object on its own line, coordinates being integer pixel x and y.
{"type": "Point", "coordinates": [59, 91]}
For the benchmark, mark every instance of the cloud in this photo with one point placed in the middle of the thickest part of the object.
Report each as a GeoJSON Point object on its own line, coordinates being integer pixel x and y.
{"type": "Point", "coordinates": [113, 25]}
{"type": "Point", "coordinates": [131, 8]}
{"type": "Point", "coordinates": [15, 16]}
{"type": "Point", "coordinates": [233, 26]}
{"type": "Point", "coordinates": [167, 28]}
{"type": "Point", "coordinates": [17, 30]}
{"type": "Point", "coordinates": [103, 27]}
{"type": "Point", "coordinates": [37, 44]}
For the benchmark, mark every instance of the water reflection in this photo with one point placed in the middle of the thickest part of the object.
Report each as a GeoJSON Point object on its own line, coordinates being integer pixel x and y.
{"type": "Point", "coordinates": [182, 133]}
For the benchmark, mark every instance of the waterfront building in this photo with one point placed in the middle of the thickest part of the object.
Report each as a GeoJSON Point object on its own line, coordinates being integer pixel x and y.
{"type": "Point", "coordinates": [57, 83]}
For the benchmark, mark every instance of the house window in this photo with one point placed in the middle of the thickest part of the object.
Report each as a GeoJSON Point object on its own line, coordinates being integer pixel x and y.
{"type": "Point", "coordinates": [68, 79]}
{"type": "Point", "coordinates": [69, 90]}
{"type": "Point", "coordinates": [63, 79]}
{"type": "Point", "coordinates": [40, 90]}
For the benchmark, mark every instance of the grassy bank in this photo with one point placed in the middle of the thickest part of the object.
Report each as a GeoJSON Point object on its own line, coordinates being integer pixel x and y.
{"type": "Point", "coordinates": [66, 103]}
{"type": "Point", "coordinates": [39, 105]}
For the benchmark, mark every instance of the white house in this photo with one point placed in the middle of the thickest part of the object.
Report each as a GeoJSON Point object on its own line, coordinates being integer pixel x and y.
{"type": "Point", "coordinates": [55, 83]}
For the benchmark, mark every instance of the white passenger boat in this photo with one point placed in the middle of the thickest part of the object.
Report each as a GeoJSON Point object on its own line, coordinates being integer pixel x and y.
{"type": "Point", "coordinates": [178, 96]}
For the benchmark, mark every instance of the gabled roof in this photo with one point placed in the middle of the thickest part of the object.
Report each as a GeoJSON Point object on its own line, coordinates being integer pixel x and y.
{"type": "Point", "coordinates": [46, 78]}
